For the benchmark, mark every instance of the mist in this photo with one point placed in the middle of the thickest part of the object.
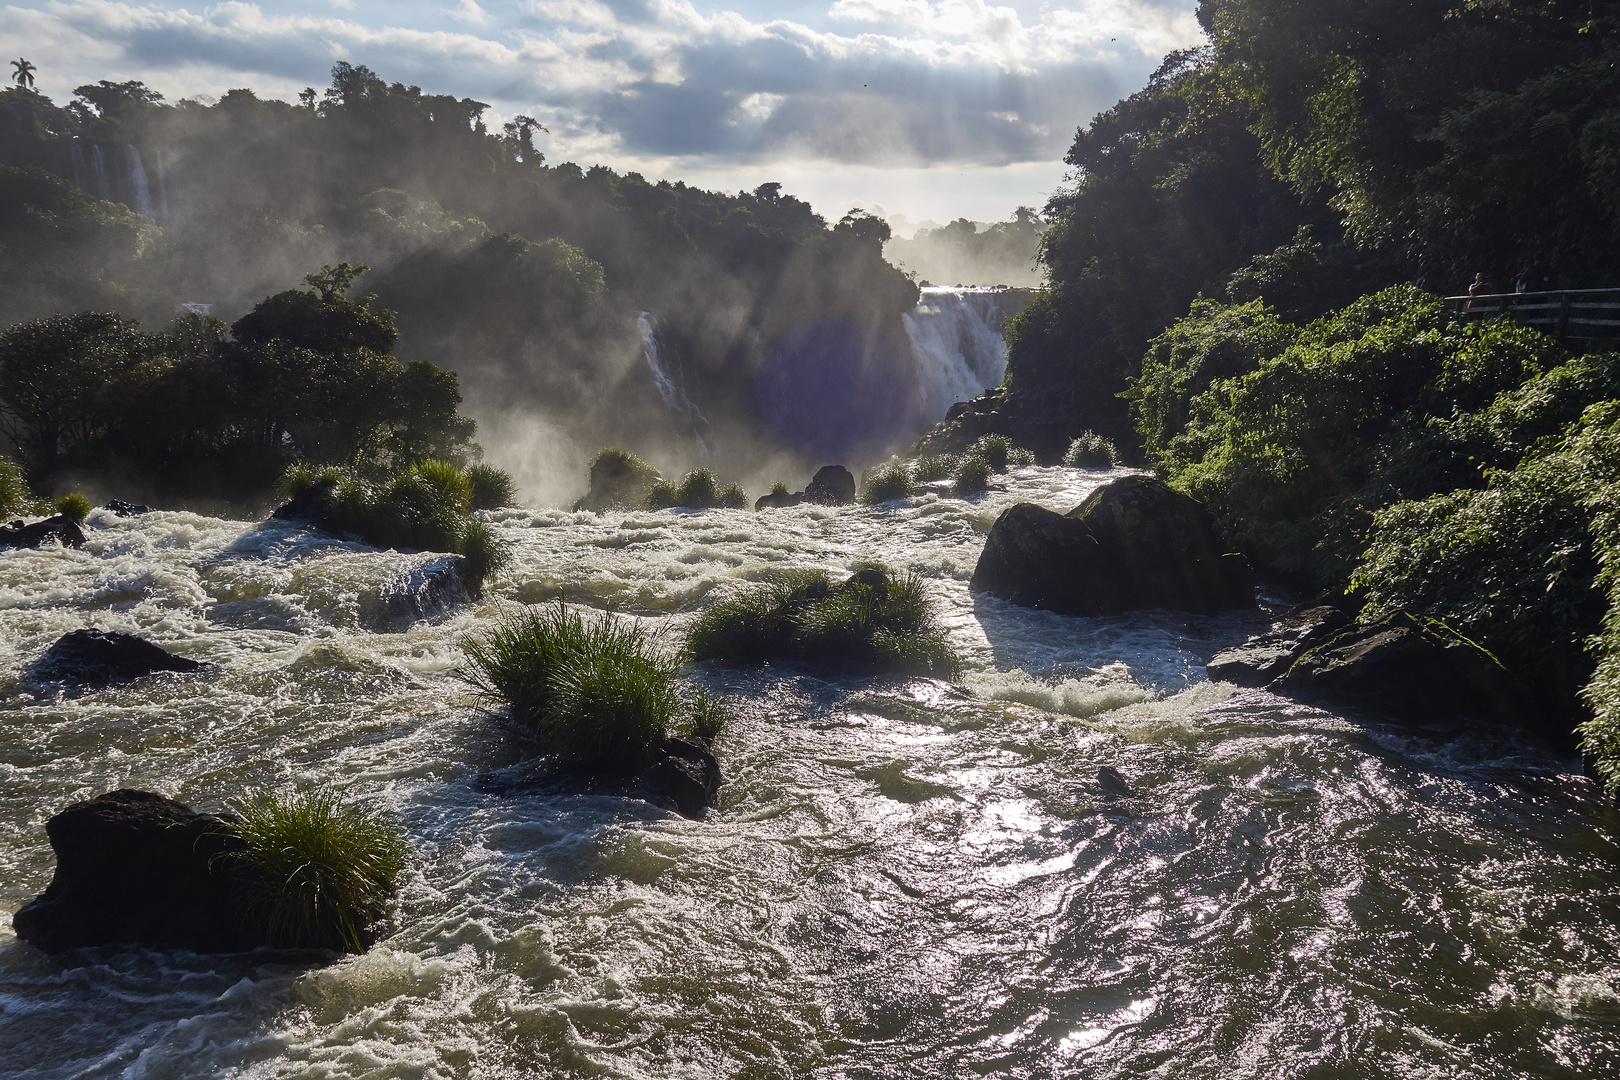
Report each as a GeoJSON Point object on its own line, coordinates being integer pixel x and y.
{"type": "Point", "coordinates": [973, 253]}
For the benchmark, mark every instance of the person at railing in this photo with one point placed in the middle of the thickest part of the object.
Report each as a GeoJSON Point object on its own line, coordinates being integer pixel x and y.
{"type": "Point", "coordinates": [1538, 276]}
{"type": "Point", "coordinates": [1479, 288]}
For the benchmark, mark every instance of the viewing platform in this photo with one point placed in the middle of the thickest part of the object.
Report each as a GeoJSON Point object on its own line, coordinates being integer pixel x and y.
{"type": "Point", "coordinates": [1569, 314]}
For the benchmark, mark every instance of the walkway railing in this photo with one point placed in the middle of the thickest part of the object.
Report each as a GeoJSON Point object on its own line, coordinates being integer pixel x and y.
{"type": "Point", "coordinates": [1572, 314]}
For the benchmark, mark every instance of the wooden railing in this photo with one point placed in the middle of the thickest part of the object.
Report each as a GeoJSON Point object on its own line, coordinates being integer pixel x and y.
{"type": "Point", "coordinates": [1572, 314]}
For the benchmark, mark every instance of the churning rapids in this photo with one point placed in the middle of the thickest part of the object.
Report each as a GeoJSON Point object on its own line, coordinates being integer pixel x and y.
{"type": "Point", "coordinates": [902, 878]}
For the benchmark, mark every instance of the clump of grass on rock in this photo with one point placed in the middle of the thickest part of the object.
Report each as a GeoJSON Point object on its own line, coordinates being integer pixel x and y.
{"type": "Point", "coordinates": [1091, 451]}
{"type": "Point", "coordinates": [698, 490]}
{"type": "Point", "coordinates": [890, 480]}
{"type": "Point", "coordinates": [972, 476]}
{"type": "Point", "coordinates": [598, 692]}
{"type": "Point", "coordinates": [316, 872]}
{"type": "Point", "coordinates": [875, 621]}
{"type": "Point", "coordinates": [426, 507]}
{"type": "Point", "coordinates": [492, 488]}
{"type": "Point", "coordinates": [75, 507]}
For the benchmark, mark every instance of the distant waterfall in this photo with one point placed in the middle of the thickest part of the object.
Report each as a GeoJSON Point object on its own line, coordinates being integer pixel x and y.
{"type": "Point", "coordinates": [957, 346]}
{"type": "Point", "coordinates": [137, 180]}
{"type": "Point", "coordinates": [103, 188]}
{"type": "Point", "coordinates": [81, 171]}
{"type": "Point", "coordinates": [669, 386]}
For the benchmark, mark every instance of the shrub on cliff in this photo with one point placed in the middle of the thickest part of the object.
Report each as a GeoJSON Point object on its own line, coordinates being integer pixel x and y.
{"type": "Point", "coordinates": [599, 693]}
{"type": "Point", "coordinates": [315, 872]}
{"type": "Point", "coordinates": [875, 621]}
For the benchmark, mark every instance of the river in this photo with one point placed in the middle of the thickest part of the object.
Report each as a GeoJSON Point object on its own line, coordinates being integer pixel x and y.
{"type": "Point", "coordinates": [902, 878]}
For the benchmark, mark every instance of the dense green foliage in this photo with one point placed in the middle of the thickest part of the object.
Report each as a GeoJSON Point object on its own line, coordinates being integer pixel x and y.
{"type": "Point", "coordinates": [316, 872]}
{"type": "Point", "coordinates": [886, 481]}
{"type": "Point", "coordinates": [492, 488]}
{"type": "Point", "coordinates": [698, 490]}
{"type": "Point", "coordinates": [73, 506]}
{"type": "Point", "coordinates": [599, 693]}
{"type": "Point", "coordinates": [425, 506]}
{"type": "Point", "coordinates": [972, 476]}
{"type": "Point", "coordinates": [876, 621]}
{"type": "Point", "coordinates": [15, 496]}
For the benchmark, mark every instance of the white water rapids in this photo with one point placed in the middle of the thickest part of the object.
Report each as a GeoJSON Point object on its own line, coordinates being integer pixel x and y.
{"type": "Point", "coordinates": [902, 878]}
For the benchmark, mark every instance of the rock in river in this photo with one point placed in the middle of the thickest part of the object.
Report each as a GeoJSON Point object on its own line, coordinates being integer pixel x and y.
{"type": "Point", "coordinates": [98, 657]}
{"type": "Point", "coordinates": [1259, 660]}
{"type": "Point", "coordinates": [133, 868]}
{"type": "Point", "coordinates": [63, 530]}
{"type": "Point", "coordinates": [833, 485]}
{"type": "Point", "coordinates": [426, 591]}
{"type": "Point", "coordinates": [1134, 543]}
{"type": "Point", "coordinates": [687, 776]}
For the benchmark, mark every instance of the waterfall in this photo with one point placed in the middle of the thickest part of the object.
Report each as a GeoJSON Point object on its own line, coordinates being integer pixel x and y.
{"type": "Point", "coordinates": [137, 180]}
{"type": "Point", "coordinates": [81, 173]}
{"type": "Point", "coordinates": [957, 346]}
{"type": "Point", "coordinates": [103, 189]}
{"type": "Point", "coordinates": [669, 387]}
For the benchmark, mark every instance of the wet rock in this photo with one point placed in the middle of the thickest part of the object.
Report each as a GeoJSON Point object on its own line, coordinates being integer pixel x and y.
{"type": "Point", "coordinates": [425, 592]}
{"type": "Point", "coordinates": [98, 657]}
{"type": "Point", "coordinates": [617, 483]}
{"type": "Point", "coordinates": [61, 530]}
{"type": "Point", "coordinates": [779, 499]}
{"type": "Point", "coordinates": [1259, 660]}
{"type": "Point", "coordinates": [1134, 543]}
{"type": "Point", "coordinates": [833, 485]}
{"type": "Point", "coordinates": [307, 504]}
{"type": "Point", "coordinates": [125, 509]}
{"type": "Point", "coordinates": [135, 868]}
{"type": "Point", "coordinates": [1412, 669]}
{"type": "Point", "coordinates": [1111, 782]}
{"type": "Point", "coordinates": [687, 776]}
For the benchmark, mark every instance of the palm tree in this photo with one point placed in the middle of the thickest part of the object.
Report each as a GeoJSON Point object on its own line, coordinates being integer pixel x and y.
{"type": "Point", "coordinates": [22, 73]}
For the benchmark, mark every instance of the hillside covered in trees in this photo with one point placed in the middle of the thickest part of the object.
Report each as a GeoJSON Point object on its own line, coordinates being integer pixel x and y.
{"type": "Point", "coordinates": [526, 279]}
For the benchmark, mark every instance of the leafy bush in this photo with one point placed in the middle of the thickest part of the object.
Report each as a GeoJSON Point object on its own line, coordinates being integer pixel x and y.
{"type": "Point", "coordinates": [972, 476]}
{"type": "Point", "coordinates": [15, 498]}
{"type": "Point", "coordinates": [890, 480]}
{"type": "Point", "coordinates": [994, 450]}
{"type": "Point", "coordinates": [74, 507]}
{"type": "Point", "coordinates": [733, 497]}
{"type": "Point", "coordinates": [942, 467]}
{"type": "Point", "coordinates": [598, 693]}
{"type": "Point", "coordinates": [315, 872]}
{"type": "Point", "coordinates": [875, 621]}
{"type": "Point", "coordinates": [1091, 451]}
{"type": "Point", "coordinates": [698, 490]}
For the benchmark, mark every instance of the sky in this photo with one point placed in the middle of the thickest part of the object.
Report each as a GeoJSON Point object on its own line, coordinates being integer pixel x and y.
{"type": "Point", "coordinates": [925, 110]}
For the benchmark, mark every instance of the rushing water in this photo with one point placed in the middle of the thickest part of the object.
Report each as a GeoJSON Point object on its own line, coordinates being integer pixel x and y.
{"type": "Point", "coordinates": [903, 878]}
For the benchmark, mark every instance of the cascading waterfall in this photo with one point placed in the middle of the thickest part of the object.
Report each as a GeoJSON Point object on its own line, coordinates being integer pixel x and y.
{"type": "Point", "coordinates": [103, 188]}
{"type": "Point", "coordinates": [137, 180]}
{"type": "Point", "coordinates": [957, 346]}
{"type": "Point", "coordinates": [670, 387]}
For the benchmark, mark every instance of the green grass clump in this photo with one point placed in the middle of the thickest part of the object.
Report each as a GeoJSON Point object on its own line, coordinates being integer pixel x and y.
{"type": "Point", "coordinates": [1091, 451]}
{"type": "Point", "coordinates": [972, 476]}
{"type": "Point", "coordinates": [698, 490]}
{"type": "Point", "coordinates": [994, 450]}
{"type": "Point", "coordinates": [315, 872]}
{"type": "Point", "coordinates": [875, 621]}
{"type": "Point", "coordinates": [890, 480]}
{"type": "Point", "coordinates": [707, 716]}
{"type": "Point", "coordinates": [74, 507]}
{"type": "Point", "coordinates": [780, 488]}
{"type": "Point", "coordinates": [942, 467]}
{"type": "Point", "coordinates": [424, 507]}
{"type": "Point", "coordinates": [598, 693]}
{"type": "Point", "coordinates": [492, 488]}
{"type": "Point", "coordinates": [15, 498]}
{"type": "Point", "coordinates": [733, 497]}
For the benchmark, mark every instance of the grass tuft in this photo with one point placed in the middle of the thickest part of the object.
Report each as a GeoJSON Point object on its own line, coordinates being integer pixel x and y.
{"type": "Point", "coordinates": [75, 507]}
{"type": "Point", "coordinates": [890, 480]}
{"type": "Point", "coordinates": [942, 467]}
{"type": "Point", "coordinates": [1091, 451]}
{"type": "Point", "coordinates": [876, 621]}
{"type": "Point", "coordinates": [316, 872]}
{"type": "Point", "coordinates": [972, 476]}
{"type": "Point", "coordinates": [994, 450]}
{"type": "Point", "coordinates": [698, 490]}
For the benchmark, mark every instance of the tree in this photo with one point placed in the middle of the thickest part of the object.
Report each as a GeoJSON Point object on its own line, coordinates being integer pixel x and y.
{"type": "Point", "coordinates": [22, 73]}
{"type": "Point", "coordinates": [324, 320]}
{"type": "Point", "coordinates": [51, 373]}
{"type": "Point", "coordinates": [519, 137]}
{"type": "Point", "coordinates": [112, 101]}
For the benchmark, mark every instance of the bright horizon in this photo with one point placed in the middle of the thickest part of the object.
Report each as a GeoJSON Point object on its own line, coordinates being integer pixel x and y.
{"type": "Point", "coordinates": [928, 110]}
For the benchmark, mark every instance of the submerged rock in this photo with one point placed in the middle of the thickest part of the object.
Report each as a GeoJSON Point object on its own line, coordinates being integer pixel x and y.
{"type": "Point", "coordinates": [1412, 669]}
{"type": "Point", "coordinates": [1259, 660]}
{"type": "Point", "coordinates": [1134, 543]}
{"type": "Point", "coordinates": [777, 500]}
{"type": "Point", "coordinates": [687, 776]}
{"type": "Point", "coordinates": [1112, 783]}
{"type": "Point", "coordinates": [833, 485]}
{"type": "Point", "coordinates": [98, 657]}
{"type": "Point", "coordinates": [125, 509]}
{"type": "Point", "coordinates": [428, 591]}
{"type": "Point", "coordinates": [63, 530]}
{"type": "Point", "coordinates": [135, 868]}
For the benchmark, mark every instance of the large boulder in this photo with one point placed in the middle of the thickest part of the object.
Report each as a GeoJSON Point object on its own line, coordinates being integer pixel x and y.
{"type": "Point", "coordinates": [308, 504]}
{"type": "Point", "coordinates": [59, 529]}
{"type": "Point", "coordinates": [1412, 669]}
{"type": "Point", "coordinates": [777, 500]}
{"type": "Point", "coordinates": [135, 868]}
{"type": "Point", "coordinates": [833, 485]}
{"type": "Point", "coordinates": [1134, 543]}
{"type": "Point", "coordinates": [1259, 660]}
{"type": "Point", "coordinates": [618, 481]}
{"type": "Point", "coordinates": [687, 776]}
{"type": "Point", "coordinates": [98, 657]}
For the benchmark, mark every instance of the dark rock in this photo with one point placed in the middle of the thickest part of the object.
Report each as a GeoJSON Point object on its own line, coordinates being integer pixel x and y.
{"type": "Point", "coordinates": [833, 485]}
{"type": "Point", "coordinates": [63, 530]}
{"type": "Point", "coordinates": [1412, 669]}
{"type": "Point", "coordinates": [427, 591]}
{"type": "Point", "coordinates": [1259, 660]}
{"type": "Point", "coordinates": [616, 483]}
{"type": "Point", "coordinates": [307, 504]}
{"type": "Point", "coordinates": [779, 499]}
{"type": "Point", "coordinates": [1135, 543]}
{"type": "Point", "coordinates": [134, 868]}
{"type": "Point", "coordinates": [98, 657]}
{"type": "Point", "coordinates": [687, 776]}
{"type": "Point", "coordinates": [124, 509]}
{"type": "Point", "coordinates": [1111, 782]}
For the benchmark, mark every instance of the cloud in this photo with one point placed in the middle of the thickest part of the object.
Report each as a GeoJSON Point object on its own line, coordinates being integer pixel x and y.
{"type": "Point", "coordinates": [910, 83]}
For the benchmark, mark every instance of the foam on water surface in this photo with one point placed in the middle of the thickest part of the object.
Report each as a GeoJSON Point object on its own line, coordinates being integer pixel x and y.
{"type": "Point", "coordinates": [903, 878]}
